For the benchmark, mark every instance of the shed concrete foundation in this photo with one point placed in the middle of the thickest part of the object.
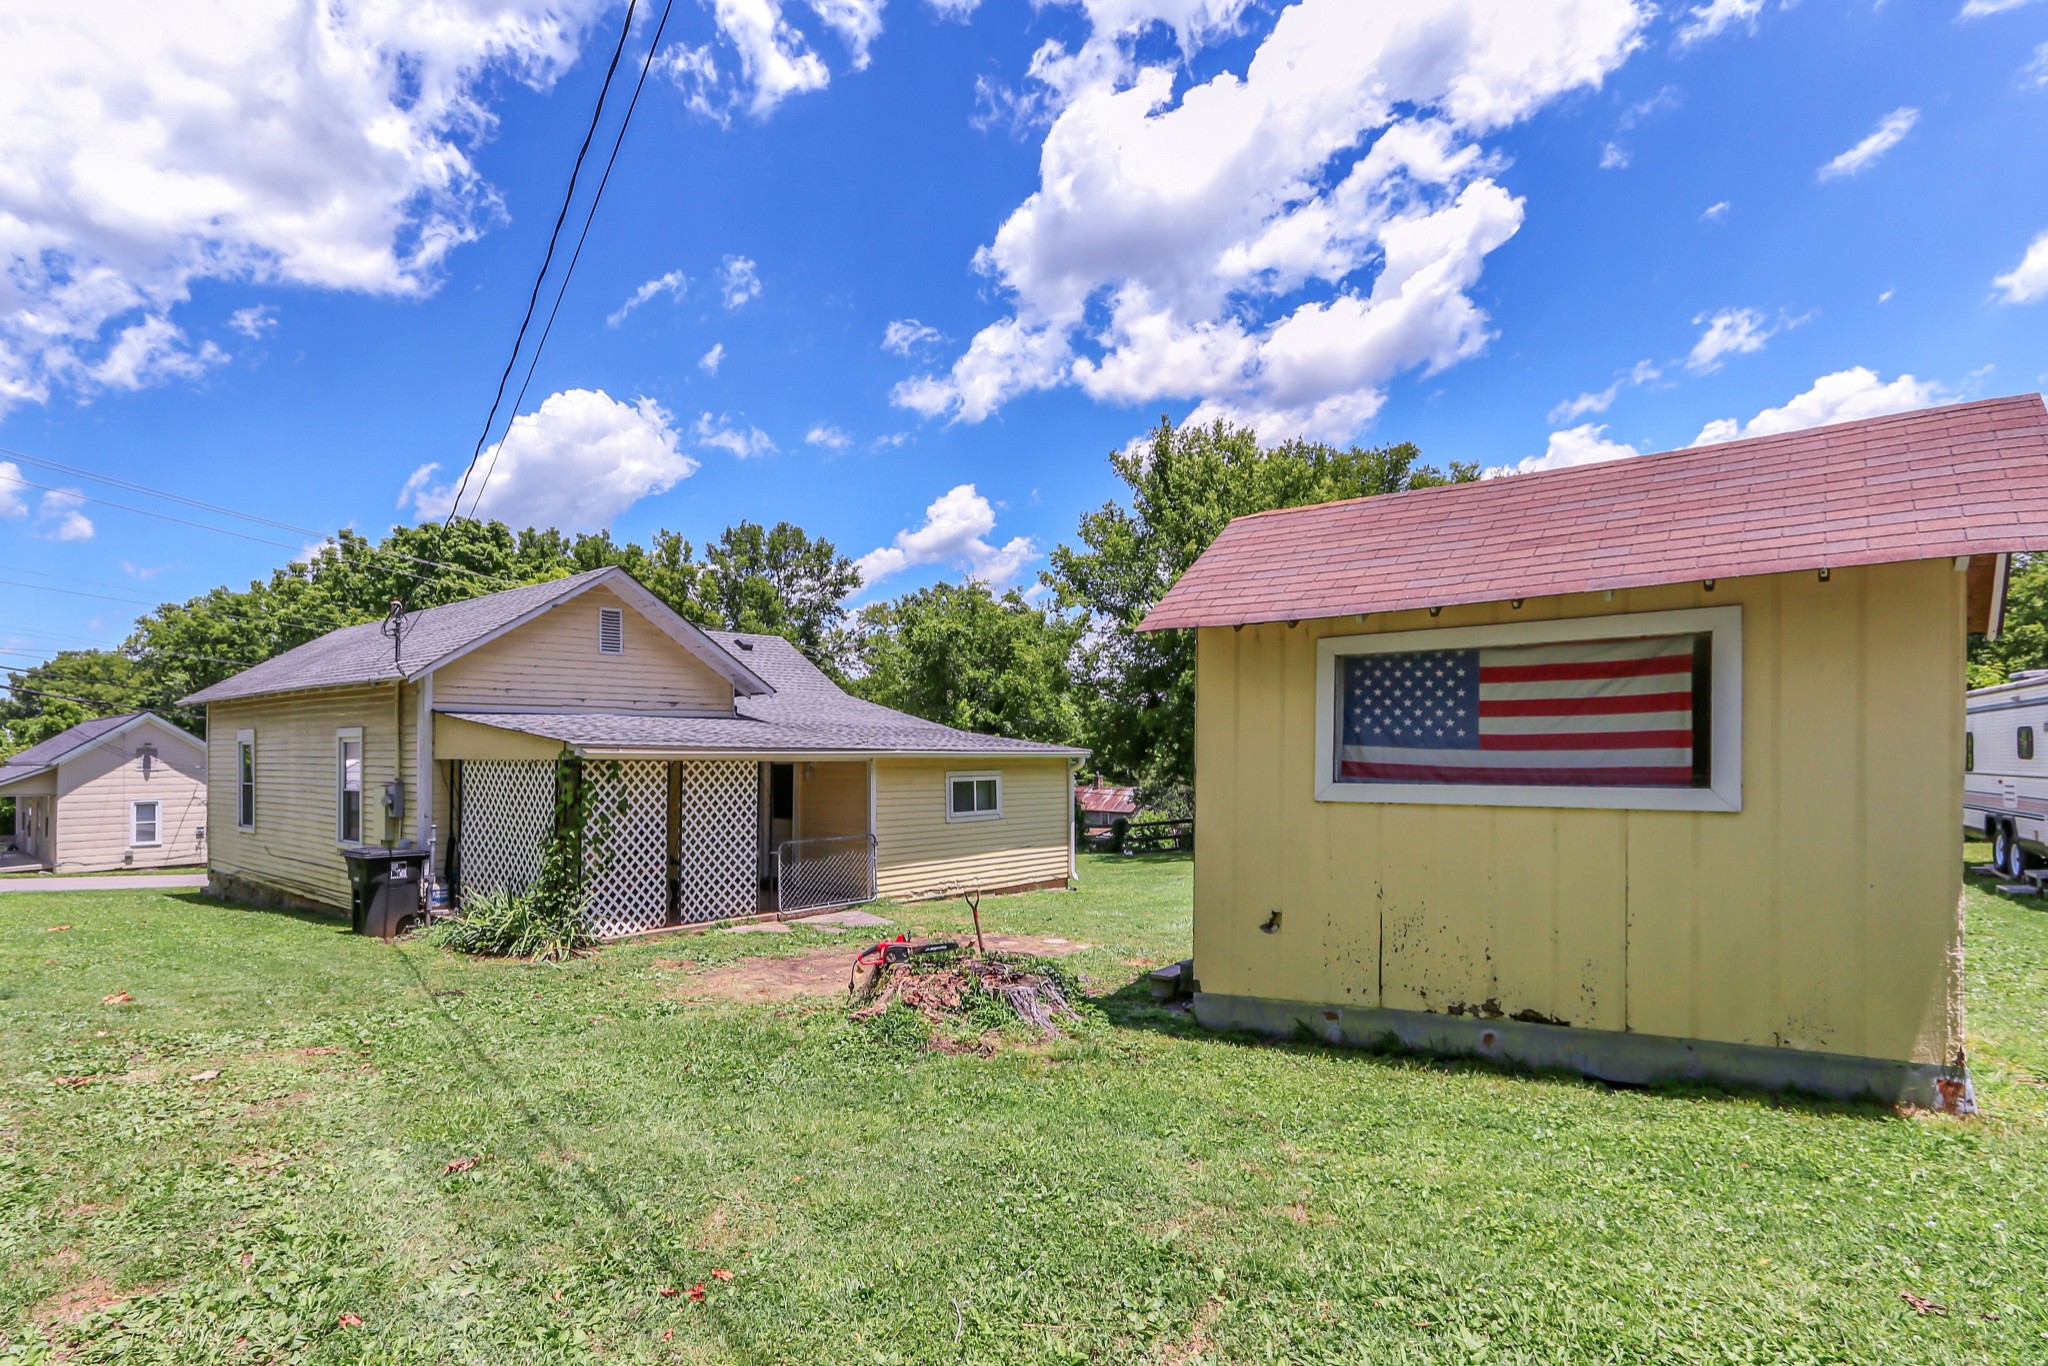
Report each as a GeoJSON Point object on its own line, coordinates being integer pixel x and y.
{"type": "Point", "coordinates": [1627, 1059]}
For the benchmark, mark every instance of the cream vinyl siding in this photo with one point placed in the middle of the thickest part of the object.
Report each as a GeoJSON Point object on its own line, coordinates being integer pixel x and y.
{"type": "Point", "coordinates": [921, 853]}
{"type": "Point", "coordinates": [831, 799]}
{"type": "Point", "coordinates": [96, 786]}
{"type": "Point", "coordinates": [553, 662]}
{"type": "Point", "coordinates": [293, 847]}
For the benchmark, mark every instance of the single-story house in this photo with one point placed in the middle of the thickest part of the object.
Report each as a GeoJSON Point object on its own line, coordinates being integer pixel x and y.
{"type": "Point", "coordinates": [717, 774]}
{"type": "Point", "coordinates": [1647, 769]}
{"type": "Point", "coordinates": [124, 791]}
{"type": "Point", "coordinates": [1103, 804]}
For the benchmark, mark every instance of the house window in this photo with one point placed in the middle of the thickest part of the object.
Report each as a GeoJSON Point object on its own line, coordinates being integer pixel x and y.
{"type": "Point", "coordinates": [1969, 751]}
{"type": "Point", "coordinates": [348, 785]}
{"type": "Point", "coordinates": [245, 779]}
{"type": "Point", "coordinates": [142, 824]}
{"type": "Point", "coordinates": [2026, 739]}
{"type": "Point", "coordinates": [1640, 710]}
{"type": "Point", "coordinates": [611, 631]}
{"type": "Point", "coordinates": [974, 796]}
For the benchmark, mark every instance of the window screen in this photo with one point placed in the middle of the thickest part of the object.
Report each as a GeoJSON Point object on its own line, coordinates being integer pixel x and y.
{"type": "Point", "coordinates": [611, 631]}
{"type": "Point", "coordinates": [974, 795]}
{"type": "Point", "coordinates": [348, 802]}
{"type": "Point", "coordinates": [143, 826]}
{"type": "Point", "coordinates": [2026, 742]}
{"type": "Point", "coordinates": [1627, 713]}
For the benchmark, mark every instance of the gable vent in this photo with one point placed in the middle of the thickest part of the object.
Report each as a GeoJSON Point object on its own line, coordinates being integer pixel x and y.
{"type": "Point", "coordinates": [611, 631]}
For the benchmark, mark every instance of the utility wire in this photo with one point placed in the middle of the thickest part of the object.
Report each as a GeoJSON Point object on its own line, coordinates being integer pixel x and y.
{"type": "Point", "coordinates": [547, 258]}
{"type": "Point", "coordinates": [568, 272]}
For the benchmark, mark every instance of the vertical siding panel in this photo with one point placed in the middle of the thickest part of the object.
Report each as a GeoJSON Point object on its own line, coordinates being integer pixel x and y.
{"type": "Point", "coordinates": [1912, 880]}
{"type": "Point", "coordinates": [1219, 932]}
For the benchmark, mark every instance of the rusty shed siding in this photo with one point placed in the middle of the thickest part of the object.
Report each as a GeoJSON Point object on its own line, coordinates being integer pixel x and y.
{"type": "Point", "coordinates": [1822, 916]}
{"type": "Point", "coordinates": [553, 663]}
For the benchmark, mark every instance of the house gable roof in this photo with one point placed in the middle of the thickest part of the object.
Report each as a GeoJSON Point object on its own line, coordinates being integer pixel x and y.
{"type": "Point", "coordinates": [805, 713]}
{"type": "Point", "coordinates": [39, 758]}
{"type": "Point", "coordinates": [435, 636]}
{"type": "Point", "coordinates": [1969, 479]}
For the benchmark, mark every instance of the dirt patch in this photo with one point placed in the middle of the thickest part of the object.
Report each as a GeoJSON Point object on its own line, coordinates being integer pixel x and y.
{"type": "Point", "coordinates": [823, 972]}
{"type": "Point", "coordinates": [74, 1304]}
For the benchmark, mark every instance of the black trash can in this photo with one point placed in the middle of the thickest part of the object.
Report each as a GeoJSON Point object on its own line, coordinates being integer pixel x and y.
{"type": "Point", "coordinates": [386, 885]}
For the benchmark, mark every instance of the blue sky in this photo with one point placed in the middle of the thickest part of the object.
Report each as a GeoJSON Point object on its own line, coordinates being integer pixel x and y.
{"type": "Point", "coordinates": [275, 262]}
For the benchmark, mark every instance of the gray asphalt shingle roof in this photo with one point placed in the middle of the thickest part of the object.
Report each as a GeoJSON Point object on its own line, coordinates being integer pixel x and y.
{"type": "Point", "coordinates": [807, 712]}
{"type": "Point", "coordinates": [363, 654]}
{"type": "Point", "coordinates": [38, 757]}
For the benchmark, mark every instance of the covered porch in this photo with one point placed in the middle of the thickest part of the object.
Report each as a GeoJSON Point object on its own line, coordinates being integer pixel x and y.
{"type": "Point", "coordinates": [664, 841]}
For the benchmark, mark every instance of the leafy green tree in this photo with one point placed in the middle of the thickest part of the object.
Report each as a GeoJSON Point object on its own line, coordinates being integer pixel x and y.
{"type": "Point", "coordinates": [959, 655]}
{"type": "Point", "coordinates": [779, 581]}
{"type": "Point", "coordinates": [1186, 484]}
{"type": "Point", "coordinates": [40, 702]}
{"type": "Point", "coordinates": [2023, 643]}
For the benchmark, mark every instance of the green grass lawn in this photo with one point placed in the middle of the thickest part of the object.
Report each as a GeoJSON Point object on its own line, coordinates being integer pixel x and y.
{"type": "Point", "coordinates": [1145, 1193]}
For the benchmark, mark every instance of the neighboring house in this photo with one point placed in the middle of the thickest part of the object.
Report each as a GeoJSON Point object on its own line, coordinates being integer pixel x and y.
{"type": "Point", "coordinates": [115, 792]}
{"type": "Point", "coordinates": [1103, 805]}
{"type": "Point", "coordinates": [1647, 769]}
{"type": "Point", "coordinates": [721, 774]}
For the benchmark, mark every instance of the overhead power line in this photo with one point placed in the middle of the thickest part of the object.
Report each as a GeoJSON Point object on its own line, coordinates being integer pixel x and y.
{"type": "Point", "coordinates": [547, 259]}
{"type": "Point", "coordinates": [597, 197]}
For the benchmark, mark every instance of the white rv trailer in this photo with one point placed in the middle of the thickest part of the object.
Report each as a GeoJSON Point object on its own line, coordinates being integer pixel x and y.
{"type": "Point", "coordinates": [2005, 770]}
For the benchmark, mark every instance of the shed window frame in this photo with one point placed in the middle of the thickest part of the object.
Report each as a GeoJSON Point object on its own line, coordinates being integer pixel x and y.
{"type": "Point", "coordinates": [135, 823]}
{"type": "Point", "coordinates": [245, 780]}
{"type": "Point", "coordinates": [611, 630]}
{"type": "Point", "coordinates": [1723, 792]}
{"type": "Point", "coordinates": [979, 778]}
{"type": "Point", "coordinates": [343, 738]}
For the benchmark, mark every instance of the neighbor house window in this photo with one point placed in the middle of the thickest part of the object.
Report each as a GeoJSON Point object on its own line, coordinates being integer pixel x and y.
{"type": "Point", "coordinates": [348, 784]}
{"type": "Point", "coordinates": [611, 631]}
{"type": "Point", "coordinates": [245, 779]}
{"type": "Point", "coordinates": [2026, 739]}
{"type": "Point", "coordinates": [974, 796]}
{"type": "Point", "coordinates": [142, 824]}
{"type": "Point", "coordinates": [1641, 710]}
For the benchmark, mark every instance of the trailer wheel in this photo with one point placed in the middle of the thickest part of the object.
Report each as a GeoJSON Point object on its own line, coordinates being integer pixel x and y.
{"type": "Point", "coordinates": [2002, 848]}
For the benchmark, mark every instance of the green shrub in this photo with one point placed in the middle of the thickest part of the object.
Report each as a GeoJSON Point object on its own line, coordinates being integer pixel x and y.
{"type": "Point", "coordinates": [543, 921]}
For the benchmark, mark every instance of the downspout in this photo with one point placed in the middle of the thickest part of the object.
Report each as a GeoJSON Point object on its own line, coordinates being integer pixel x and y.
{"type": "Point", "coordinates": [397, 754]}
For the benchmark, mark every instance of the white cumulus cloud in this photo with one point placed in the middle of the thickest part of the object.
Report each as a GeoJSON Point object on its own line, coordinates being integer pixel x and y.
{"type": "Point", "coordinates": [954, 533]}
{"type": "Point", "coordinates": [152, 147]}
{"type": "Point", "coordinates": [1586, 444]}
{"type": "Point", "coordinates": [1843, 396]}
{"type": "Point", "coordinates": [575, 463]}
{"type": "Point", "coordinates": [734, 438]}
{"type": "Point", "coordinates": [763, 57]}
{"type": "Point", "coordinates": [712, 359]}
{"type": "Point", "coordinates": [738, 280]}
{"type": "Point", "coordinates": [1599, 401]}
{"type": "Point", "coordinates": [828, 436]}
{"type": "Point", "coordinates": [1891, 130]}
{"type": "Point", "coordinates": [1978, 9]}
{"type": "Point", "coordinates": [254, 322]}
{"type": "Point", "coordinates": [1715, 211]}
{"type": "Point", "coordinates": [1277, 244]}
{"type": "Point", "coordinates": [2027, 282]}
{"type": "Point", "coordinates": [1717, 17]}
{"type": "Point", "coordinates": [673, 283]}
{"type": "Point", "coordinates": [906, 335]}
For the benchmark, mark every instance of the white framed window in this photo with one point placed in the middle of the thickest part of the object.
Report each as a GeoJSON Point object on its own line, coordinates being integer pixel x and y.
{"type": "Point", "coordinates": [245, 780]}
{"type": "Point", "coordinates": [1639, 711]}
{"type": "Point", "coordinates": [974, 796]}
{"type": "Point", "coordinates": [145, 829]}
{"type": "Point", "coordinates": [611, 631]}
{"type": "Point", "coordinates": [348, 785]}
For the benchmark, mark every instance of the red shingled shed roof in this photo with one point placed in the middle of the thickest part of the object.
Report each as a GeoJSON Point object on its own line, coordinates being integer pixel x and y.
{"type": "Point", "coordinates": [1969, 479]}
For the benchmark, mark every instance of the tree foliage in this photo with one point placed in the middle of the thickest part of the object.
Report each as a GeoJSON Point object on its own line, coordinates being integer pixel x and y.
{"type": "Point", "coordinates": [2023, 643]}
{"type": "Point", "coordinates": [57, 694]}
{"type": "Point", "coordinates": [1185, 485]}
{"type": "Point", "coordinates": [959, 655]}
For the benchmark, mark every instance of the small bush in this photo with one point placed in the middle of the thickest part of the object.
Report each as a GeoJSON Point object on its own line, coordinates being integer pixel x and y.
{"type": "Point", "coordinates": [544, 921]}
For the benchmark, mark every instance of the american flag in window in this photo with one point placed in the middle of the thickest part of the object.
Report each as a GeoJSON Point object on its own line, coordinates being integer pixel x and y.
{"type": "Point", "coordinates": [1590, 713]}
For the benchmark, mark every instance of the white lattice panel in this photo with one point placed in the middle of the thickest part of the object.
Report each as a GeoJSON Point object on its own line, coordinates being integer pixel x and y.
{"type": "Point", "coordinates": [508, 809]}
{"type": "Point", "coordinates": [719, 840]}
{"type": "Point", "coordinates": [625, 846]}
